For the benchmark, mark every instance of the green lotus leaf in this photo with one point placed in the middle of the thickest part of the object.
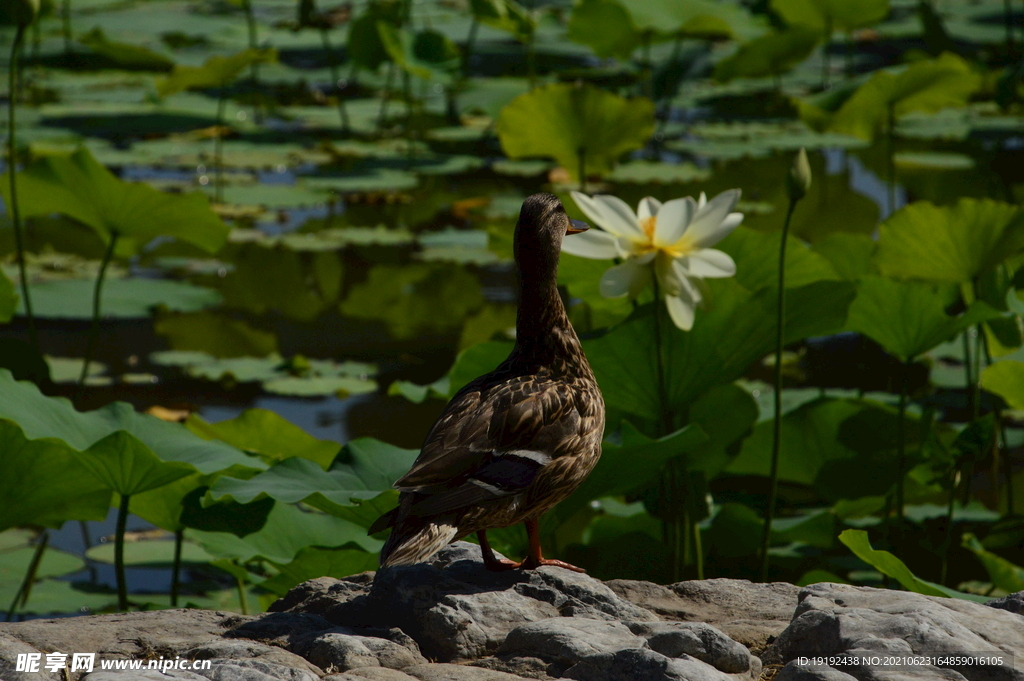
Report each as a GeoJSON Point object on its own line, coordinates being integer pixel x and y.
{"type": "Point", "coordinates": [815, 528]}
{"type": "Point", "coordinates": [645, 172]}
{"type": "Point", "coordinates": [81, 188]}
{"type": "Point", "coordinates": [313, 562]}
{"type": "Point", "coordinates": [735, 331]}
{"type": "Point", "coordinates": [127, 466]}
{"type": "Point", "coordinates": [702, 19]}
{"type": "Point", "coordinates": [365, 468]}
{"type": "Point", "coordinates": [163, 506]}
{"type": "Point", "coordinates": [216, 72]}
{"type": "Point", "coordinates": [19, 12]}
{"type": "Point", "coordinates": [215, 334]}
{"type": "Point", "coordinates": [427, 54]}
{"type": "Point", "coordinates": [888, 564]}
{"type": "Point", "coordinates": [45, 482]}
{"type": "Point", "coordinates": [365, 46]}
{"type": "Point", "coordinates": [287, 531]}
{"type": "Point", "coordinates": [563, 121]}
{"type": "Point", "coordinates": [45, 417]}
{"type": "Point", "coordinates": [125, 56]}
{"type": "Point", "coordinates": [151, 553]}
{"type": "Point", "coordinates": [909, 318]}
{"type": "Point", "coordinates": [851, 255]}
{"type": "Point", "coordinates": [415, 299]}
{"type": "Point", "coordinates": [832, 15]}
{"type": "Point", "coordinates": [121, 298]}
{"type": "Point", "coordinates": [772, 54]}
{"type": "Point", "coordinates": [316, 386]}
{"type": "Point", "coordinates": [51, 596]}
{"type": "Point", "coordinates": [265, 433]}
{"type": "Point", "coordinates": [605, 26]}
{"type": "Point", "coordinates": [1004, 574]}
{"type": "Point", "coordinates": [1006, 379]}
{"type": "Point", "coordinates": [632, 465]}
{"type": "Point", "coordinates": [754, 271]}
{"type": "Point", "coordinates": [949, 243]}
{"type": "Point", "coordinates": [14, 564]}
{"type": "Point", "coordinates": [924, 86]}
{"type": "Point", "coordinates": [505, 15]}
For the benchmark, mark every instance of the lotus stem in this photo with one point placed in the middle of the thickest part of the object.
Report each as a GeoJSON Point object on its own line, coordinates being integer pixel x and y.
{"type": "Point", "coordinates": [218, 150]}
{"type": "Point", "coordinates": [780, 316]}
{"type": "Point", "coordinates": [332, 62]}
{"type": "Point", "coordinates": [122, 585]}
{"type": "Point", "coordinates": [21, 597]}
{"type": "Point", "coordinates": [12, 163]}
{"type": "Point", "coordinates": [97, 291]}
{"type": "Point", "coordinates": [179, 536]}
{"type": "Point", "coordinates": [901, 453]}
{"type": "Point", "coordinates": [947, 540]}
{"type": "Point", "coordinates": [385, 96]}
{"type": "Point", "coordinates": [470, 44]}
{"type": "Point", "coordinates": [698, 550]}
{"type": "Point", "coordinates": [254, 68]}
{"type": "Point", "coordinates": [242, 601]}
{"type": "Point", "coordinates": [968, 374]}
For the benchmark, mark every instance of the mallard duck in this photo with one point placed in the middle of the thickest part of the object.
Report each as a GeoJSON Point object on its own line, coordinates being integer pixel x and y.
{"type": "Point", "coordinates": [514, 442]}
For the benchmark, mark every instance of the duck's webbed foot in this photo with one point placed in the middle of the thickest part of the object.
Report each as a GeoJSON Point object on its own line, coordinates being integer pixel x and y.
{"type": "Point", "coordinates": [531, 563]}
{"type": "Point", "coordinates": [491, 561]}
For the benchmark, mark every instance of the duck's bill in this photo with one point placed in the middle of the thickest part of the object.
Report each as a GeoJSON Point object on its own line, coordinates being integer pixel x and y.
{"type": "Point", "coordinates": [577, 226]}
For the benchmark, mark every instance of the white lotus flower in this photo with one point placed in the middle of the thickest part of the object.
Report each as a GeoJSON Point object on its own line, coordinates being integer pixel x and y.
{"type": "Point", "coordinates": [673, 239]}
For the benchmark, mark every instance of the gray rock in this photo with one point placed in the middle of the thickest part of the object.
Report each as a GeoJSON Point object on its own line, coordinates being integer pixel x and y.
{"type": "Point", "coordinates": [240, 649]}
{"type": "Point", "coordinates": [1013, 603]}
{"type": "Point", "coordinates": [254, 670]}
{"type": "Point", "coordinates": [341, 651]}
{"type": "Point", "coordinates": [752, 614]}
{"type": "Point", "coordinates": [799, 672]}
{"type": "Point", "coordinates": [567, 640]}
{"type": "Point", "coordinates": [834, 619]}
{"type": "Point", "coordinates": [129, 635]}
{"type": "Point", "coordinates": [454, 608]}
{"type": "Point", "coordinates": [457, 672]}
{"type": "Point", "coordinates": [699, 640]}
{"type": "Point", "coordinates": [144, 675]}
{"type": "Point", "coordinates": [527, 667]}
{"type": "Point", "coordinates": [642, 664]}
{"type": "Point", "coordinates": [10, 648]}
{"type": "Point", "coordinates": [370, 674]}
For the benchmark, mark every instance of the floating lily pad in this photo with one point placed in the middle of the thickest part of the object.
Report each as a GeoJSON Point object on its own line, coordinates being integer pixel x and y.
{"type": "Point", "coordinates": [69, 369]}
{"type": "Point", "coordinates": [933, 160]}
{"type": "Point", "coordinates": [154, 553]}
{"type": "Point", "coordinates": [121, 298]}
{"type": "Point", "coordinates": [506, 166]}
{"type": "Point", "coordinates": [372, 180]}
{"type": "Point", "coordinates": [648, 172]}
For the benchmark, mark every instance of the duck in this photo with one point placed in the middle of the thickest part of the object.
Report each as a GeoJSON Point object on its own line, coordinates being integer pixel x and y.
{"type": "Point", "coordinates": [514, 442]}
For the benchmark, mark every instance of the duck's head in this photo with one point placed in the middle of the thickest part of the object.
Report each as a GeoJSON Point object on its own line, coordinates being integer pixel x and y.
{"type": "Point", "coordinates": [542, 225]}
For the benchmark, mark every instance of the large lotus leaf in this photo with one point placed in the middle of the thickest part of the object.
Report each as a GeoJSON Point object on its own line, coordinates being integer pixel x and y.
{"type": "Point", "coordinates": [772, 54]}
{"type": "Point", "coordinates": [925, 86]}
{"type": "Point", "coordinates": [8, 298]}
{"type": "Point", "coordinates": [888, 564]}
{"type": "Point", "coordinates": [832, 15]}
{"type": "Point", "coordinates": [364, 46]}
{"type": "Point", "coordinates": [605, 26]}
{"type": "Point", "coordinates": [215, 334]}
{"type": "Point", "coordinates": [563, 121]}
{"type": "Point", "coordinates": [693, 18]}
{"type": "Point", "coordinates": [44, 482]}
{"type": "Point", "coordinates": [582, 276]}
{"type": "Point", "coordinates": [852, 255]}
{"type": "Point", "coordinates": [45, 417]}
{"type": "Point", "coordinates": [1004, 574]}
{"type": "Point", "coordinates": [151, 553]}
{"type": "Point", "coordinates": [632, 465]}
{"type": "Point", "coordinates": [127, 466]}
{"type": "Point", "coordinates": [1006, 379]}
{"type": "Point", "coordinates": [949, 243]}
{"type": "Point", "coordinates": [81, 188]}
{"type": "Point", "coordinates": [505, 15]}
{"type": "Point", "coordinates": [287, 531]}
{"type": "Point", "coordinates": [121, 298]}
{"type": "Point", "coordinates": [365, 468]}
{"type": "Point", "coordinates": [226, 515]}
{"type": "Point", "coordinates": [313, 562]}
{"type": "Point", "coordinates": [757, 261]}
{"type": "Point", "coordinates": [735, 330]}
{"type": "Point", "coordinates": [810, 438]}
{"type": "Point", "coordinates": [415, 299]}
{"type": "Point", "coordinates": [125, 56]}
{"type": "Point", "coordinates": [216, 72]}
{"type": "Point", "coordinates": [726, 413]}
{"type": "Point", "coordinates": [427, 54]}
{"type": "Point", "coordinates": [263, 432]}
{"type": "Point", "coordinates": [162, 506]}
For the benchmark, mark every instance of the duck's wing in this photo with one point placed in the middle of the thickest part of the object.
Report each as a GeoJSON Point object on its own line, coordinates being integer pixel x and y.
{"type": "Point", "coordinates": [492, 441]}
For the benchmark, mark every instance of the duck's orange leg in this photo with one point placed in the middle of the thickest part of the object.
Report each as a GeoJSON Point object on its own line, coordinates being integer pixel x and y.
{"type": "Point", "coordinates": [535, 560]}
{"type": "Point", "coordinates": [491, 561]}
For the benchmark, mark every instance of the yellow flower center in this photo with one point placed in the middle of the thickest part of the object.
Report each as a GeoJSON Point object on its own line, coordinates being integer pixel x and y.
{"type": "Point", "coordinates": [647, 224]}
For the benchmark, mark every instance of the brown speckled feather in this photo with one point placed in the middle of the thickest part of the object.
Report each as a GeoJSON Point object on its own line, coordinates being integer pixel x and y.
{"type": "Point", "coordinates": [513, 443]}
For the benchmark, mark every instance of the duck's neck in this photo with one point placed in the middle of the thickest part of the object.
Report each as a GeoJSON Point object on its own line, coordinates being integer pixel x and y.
{"type": "Point", "coordinates": [543, 331]}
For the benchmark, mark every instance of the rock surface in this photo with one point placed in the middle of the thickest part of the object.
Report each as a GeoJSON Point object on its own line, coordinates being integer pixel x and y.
{"type": "Point", "coordinates": [452, 620]}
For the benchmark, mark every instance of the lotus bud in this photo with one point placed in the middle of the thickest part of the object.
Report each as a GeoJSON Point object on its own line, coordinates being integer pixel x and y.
{"type": "Point", "coordinates": [799, 179]}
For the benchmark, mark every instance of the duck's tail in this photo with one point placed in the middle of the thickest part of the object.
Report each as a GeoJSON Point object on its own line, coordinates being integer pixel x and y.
{"type": "Point", "coordinates": [414, 540]}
